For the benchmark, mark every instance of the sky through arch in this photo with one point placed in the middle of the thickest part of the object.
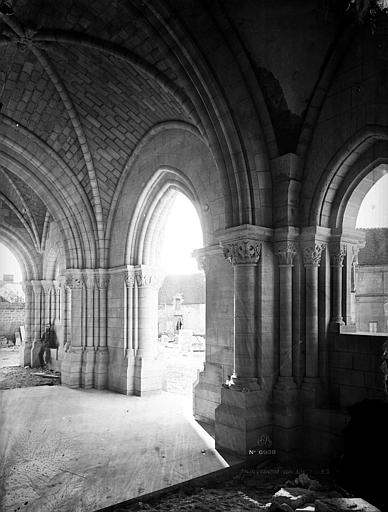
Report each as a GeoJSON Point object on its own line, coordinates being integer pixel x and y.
{"type": "Point", "coordinates": [373, 212]}
{"type": "Point", "coordinates": [9, 264]}
{"type": "Point", "coordinates": [183, 234]}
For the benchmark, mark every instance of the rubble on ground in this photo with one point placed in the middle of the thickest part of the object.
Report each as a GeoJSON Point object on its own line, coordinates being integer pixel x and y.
{"type": "Point", "coordinates": [254, 490]}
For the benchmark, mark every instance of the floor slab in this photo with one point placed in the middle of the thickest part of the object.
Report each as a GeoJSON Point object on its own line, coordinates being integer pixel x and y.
{"type": "Point", "coordinates": [80, 450]}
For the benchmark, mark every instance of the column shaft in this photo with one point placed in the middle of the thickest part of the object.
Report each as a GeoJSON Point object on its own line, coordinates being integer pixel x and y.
{"type": "Point", "coordinates": [245, 322]}
{"type": "Point", "coordinates": [89, 311]}
{"type": "Point", "coordinates": [244, 255]}
{"type": "Point", "coordinates": [312, 321]}
{"type": "Point", "coordinates": [285, 320]}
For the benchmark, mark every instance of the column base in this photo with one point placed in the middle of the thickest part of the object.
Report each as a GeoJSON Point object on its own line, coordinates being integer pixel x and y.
{"type": "Point", "coordinates": [25, 353]}
{"type": "Point", "coordinates": [207, 392]}
{"type": "Point", "coordinates": [288, 421]}
{"type": "Point", "coordinates": [244, 384]}
{"type": "Point", "coordinates": [243, 424]}
{"type": "Point", "coordinates": [335, 326]}
{"type": "Point", "coordinates": [311, 392]}
{"type": "Point", "coordinates": [101, 368]}
{"type": "Point", "coordinates": [131, 359]}
{"type": "Point", "coordinates": [88, 362]}
{"type": "Point", "coordinates": [35, 361]}
{"type": "Point", "coordinates": [148, 376]}
{"type": "Point", "coordinates": [71, 369]}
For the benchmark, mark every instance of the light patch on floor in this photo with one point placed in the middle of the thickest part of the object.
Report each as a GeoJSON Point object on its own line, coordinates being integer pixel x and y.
{"type": "Point", "coordinates": [77, 450]}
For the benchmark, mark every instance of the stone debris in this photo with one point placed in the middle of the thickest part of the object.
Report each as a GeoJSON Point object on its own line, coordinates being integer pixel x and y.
{"type": "Point", "coordinates": [283, 507]}
{"type": "Point", "coordinates": [303, 480]}
{"type": "Point", "coordinates": [295, 497]}
{"type": "Point", "coordinates": [21, 377]}
{"type": "Point", "coordinates": [344, 505]}
{"type": "Point", "coordinates": [309, 507]}
{"type": "Point", "coordinates": [239, 494]}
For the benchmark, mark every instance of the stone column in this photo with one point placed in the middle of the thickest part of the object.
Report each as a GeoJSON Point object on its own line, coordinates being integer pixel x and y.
{"type": "Point", "coordinates": [285, 252]}
{"type": "Point", "coordinates": [219, 339]}
{"type": "Point", "coordinates": [38, 322]}
{"type": "Point", "coordinates": [131, 327]}
{"type": "Point", "coordinates": [102, 355]}
{"type": "Point", "coordinates": [243, 418]}
{"type": "Point", "coordinates": [148, 371]}
{"type": "Point", "coordinates": [47, 286]}
{"type": "Point", "coordinates": [26, 346]}
{"type": "Point", "coordinates": [312, 253]}
{"type": "Point", "coordinates": [244, 256]}
{"type": "Point", "coordinates": [287, 418]}
{"type": "Point", "coordinates": [337, 255]}
{"type": "Point", "coordinates": [72, 361]}
{"type": "Point", "coordinates": [56, 316]}
{"type": "Point", "coordinates": [88, 360]}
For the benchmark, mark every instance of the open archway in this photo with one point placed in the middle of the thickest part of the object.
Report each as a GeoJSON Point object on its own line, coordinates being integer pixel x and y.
{"type": "Point", "coordinates": [12, 307]}
{"type": "Point", "coordinates": [168, 194]}
{"type": "Point", "coordinates": [181, 302]}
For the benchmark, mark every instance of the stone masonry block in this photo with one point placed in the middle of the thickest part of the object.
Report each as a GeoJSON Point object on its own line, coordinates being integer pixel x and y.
{"type": "Point", "coordinates": [295, 497]}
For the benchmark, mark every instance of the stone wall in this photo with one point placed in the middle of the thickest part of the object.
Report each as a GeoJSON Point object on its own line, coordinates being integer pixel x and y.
{"type": "Point", "coordinates": [355, 368]}
{"type": "Point", "coordinates": [372, 297]}
{"type": "Point", "coordinates": [11, 318]}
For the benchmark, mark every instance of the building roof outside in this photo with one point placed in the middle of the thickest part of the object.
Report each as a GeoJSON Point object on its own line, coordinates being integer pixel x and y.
{"type": "Point", "coordinates": [191, 286]}
{"type": "Point", "coordinates": [375, 251]}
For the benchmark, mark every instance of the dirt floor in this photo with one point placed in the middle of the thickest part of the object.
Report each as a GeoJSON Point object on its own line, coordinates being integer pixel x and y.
{"type": "Point", "coordinates": [14, 376]}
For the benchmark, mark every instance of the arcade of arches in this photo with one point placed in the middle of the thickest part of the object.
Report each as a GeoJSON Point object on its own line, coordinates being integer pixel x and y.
{"type": "Point", "coordinates": [273, 120]}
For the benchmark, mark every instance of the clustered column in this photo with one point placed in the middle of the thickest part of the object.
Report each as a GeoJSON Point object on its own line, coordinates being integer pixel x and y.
{"type": "Point", "coordinates": [72, 362]}
{"type": "Point", "coordinates": [148, 373]}
{"type": "Point", "coordinates": [244, 256]}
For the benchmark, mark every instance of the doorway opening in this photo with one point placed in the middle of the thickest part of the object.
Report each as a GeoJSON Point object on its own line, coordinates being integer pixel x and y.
{"type": "Point", "coordinates": [181, 301]}
{"type": "Point", "coordinates": [12, 308]}
{"type": "Point", "coordinates": [371, 271]}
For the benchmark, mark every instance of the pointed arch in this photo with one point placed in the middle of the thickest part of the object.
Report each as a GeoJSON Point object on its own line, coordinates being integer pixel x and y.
{"type": "Point", "coordinates": [358, 157]}
{"type": "Point", "coordinates": [27, 257]}
{"type": "Point", "coordinates": [151, 211]}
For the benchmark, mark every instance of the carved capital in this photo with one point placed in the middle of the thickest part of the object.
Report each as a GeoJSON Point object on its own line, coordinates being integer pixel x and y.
{"type": "Point", "coordinates": [337, 255]}
{"type": "Point", "coordinates": [242, 252]}
{"type": "Point", "coordinates": [312, 254]}
{"type": "Point", "coordinates": [27, 287]}
{"type": "Point", "coordinates": [355, 251]}
{"type": "Point", "coordinates": [90, 281]}
{"type": "Point", "coordinates": [47, 286]}
{"type": "Point", "coordinates": [148, 277]}
{"type": "Point", "coordinates": [74, 281]}
{"type": "Point", "coordinates": [37, 287]}
{"type": "Point", "coordinates": [61, 281]}
{"type": "Point", "coordinates": [102, 281]}
{"type": "Point", "coordinates": [286, 252]}
{"type": "Point", "coordinates": [204, 263]}
{"type": "Point", "coordinates": [130, 278]}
